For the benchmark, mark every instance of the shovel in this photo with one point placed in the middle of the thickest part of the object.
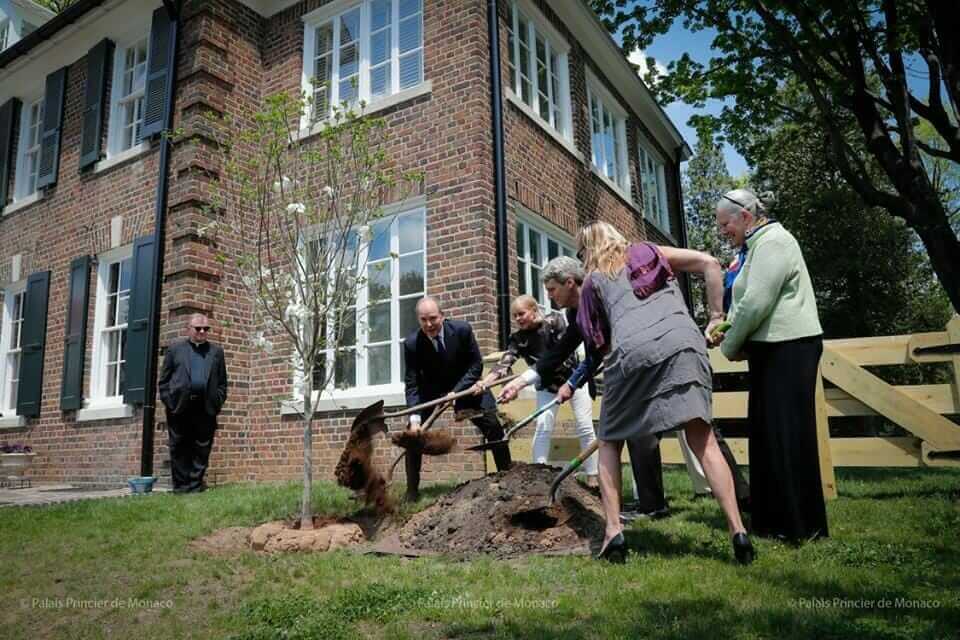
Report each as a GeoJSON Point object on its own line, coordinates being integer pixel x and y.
{"type": "Point", "coordinates": [530, 418]}
{"type": "Point", "coordinates": [506, 437]}
{"type": "Point", "coordinates": [572, 466]}
{"type": "Point", "coordinates": [426, 405]}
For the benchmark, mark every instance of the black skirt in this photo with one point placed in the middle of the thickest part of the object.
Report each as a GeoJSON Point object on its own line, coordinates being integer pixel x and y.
{"type": "Point", "coordinates": [787, 494]}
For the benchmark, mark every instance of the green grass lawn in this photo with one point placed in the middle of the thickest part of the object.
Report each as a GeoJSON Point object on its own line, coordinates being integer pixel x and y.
{"type": "Point", "coordinates": [890, 570]}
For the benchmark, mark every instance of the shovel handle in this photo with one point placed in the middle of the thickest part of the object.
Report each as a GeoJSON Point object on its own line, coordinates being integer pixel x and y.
{"type": "Point", "coordinates": [572, 466]}
{"type": "Point", "coordinates": [432, 403]}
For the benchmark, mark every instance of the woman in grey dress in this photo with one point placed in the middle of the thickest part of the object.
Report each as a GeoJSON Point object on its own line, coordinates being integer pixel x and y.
{"type": "Point", "coordinates": [657, 375]}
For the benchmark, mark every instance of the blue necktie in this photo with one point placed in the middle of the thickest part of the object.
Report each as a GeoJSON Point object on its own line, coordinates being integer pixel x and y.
{"type": "Point", "coordinates": [440, 349]}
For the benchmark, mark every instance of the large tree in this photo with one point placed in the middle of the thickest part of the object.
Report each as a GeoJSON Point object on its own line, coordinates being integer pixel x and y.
{"type": "Point", "coordinates": [884, 64]}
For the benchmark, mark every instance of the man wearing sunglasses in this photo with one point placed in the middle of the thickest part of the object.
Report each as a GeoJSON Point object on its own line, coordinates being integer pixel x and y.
{"type": "Point", "coordinates": [193, 388]}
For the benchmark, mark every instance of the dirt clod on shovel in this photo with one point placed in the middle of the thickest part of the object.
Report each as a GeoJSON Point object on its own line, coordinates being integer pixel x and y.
{"type": "Point", "coordinates": [430, 443]}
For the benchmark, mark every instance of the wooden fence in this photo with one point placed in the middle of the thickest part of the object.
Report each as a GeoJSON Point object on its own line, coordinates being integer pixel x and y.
{"type": "Point", "coordinates": [918, 409]}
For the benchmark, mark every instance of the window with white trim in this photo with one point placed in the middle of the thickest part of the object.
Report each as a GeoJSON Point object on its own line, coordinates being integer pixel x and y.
{"type": "Point", "coordinates": [10, 339]}
{"type": "Point", "coordinates": [364, 52]}
{"type": "Point", "coordinates": [394, 257]}
{"type": "Point", "coordinates": [538, 68]}
{"type": "Point", "coordinates": [108, 380]}
{"type": "Point", "coordinates": [127, 96]}
{"type": "Point", "coordinates": [653, 185]}
{"type": "Point", "coordinates": [535, 248]}
{"type": "Point", "coordinates": [608, 138]}
{"type": "Point", "coordinates": [28, 155]}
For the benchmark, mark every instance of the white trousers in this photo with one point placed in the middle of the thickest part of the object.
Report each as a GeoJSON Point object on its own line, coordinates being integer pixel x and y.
{"type": "Point", "coordinates": [582, 406]}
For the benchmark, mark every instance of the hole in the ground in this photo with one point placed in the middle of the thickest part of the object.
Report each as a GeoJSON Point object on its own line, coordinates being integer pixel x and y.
{"type": "Point", "coordinates": [535, 519]}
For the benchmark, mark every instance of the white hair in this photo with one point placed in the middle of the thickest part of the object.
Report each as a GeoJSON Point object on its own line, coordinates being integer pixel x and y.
{"type": "Point", "coordinates": [733, 202]}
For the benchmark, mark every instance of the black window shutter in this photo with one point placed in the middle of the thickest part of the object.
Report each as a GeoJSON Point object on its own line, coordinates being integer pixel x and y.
{"type": "Point", "coordinates": [8, 117]}
{"type": "Point", "coordinates": [93, 100]}
{"type": "Point", "coordinates": [139, 319]}
{"type": "Point", "coordinates": [52, 126]}
{"type": "Point", "coordinates": [75, 344]}
{"type": "Point", "coordinates": [32, 340]}
{"type": "Point", "coordinates": [157, 70]}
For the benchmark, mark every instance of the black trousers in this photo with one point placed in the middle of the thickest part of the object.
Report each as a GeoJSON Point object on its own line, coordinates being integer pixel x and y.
{"type": "Point", "coordinates": [190, 438]}
{"type": "Point", "coordinates": [647, 468]}
{"type": "Point", "coordinates": [787, 495]}
{"type": "Point", "coordinates": [489, 425]}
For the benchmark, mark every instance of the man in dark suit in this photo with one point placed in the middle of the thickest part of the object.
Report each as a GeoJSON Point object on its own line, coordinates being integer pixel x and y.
{"type": "Point", "coordinates": [442, 358]}
{"type": "Point", "coordinates": [193, 388]}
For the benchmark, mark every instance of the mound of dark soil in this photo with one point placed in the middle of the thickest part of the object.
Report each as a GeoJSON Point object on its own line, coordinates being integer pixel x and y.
{"type": "Point", "coordinates": [506, 515]}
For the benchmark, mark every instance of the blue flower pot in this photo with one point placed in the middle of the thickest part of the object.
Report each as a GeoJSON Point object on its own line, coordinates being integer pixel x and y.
{"type": "Point", "coordinates": [141, 484]}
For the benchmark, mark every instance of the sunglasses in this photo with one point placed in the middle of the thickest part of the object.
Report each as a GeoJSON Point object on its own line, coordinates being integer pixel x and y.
{"type": "Point", "coordinates": [739, 204]}
{"type": "Point", "coordinates": [201, 329]}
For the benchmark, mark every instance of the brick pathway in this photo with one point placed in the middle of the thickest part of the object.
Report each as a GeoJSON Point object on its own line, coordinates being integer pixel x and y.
{"type": "Point", "coordinates": [51, 493]}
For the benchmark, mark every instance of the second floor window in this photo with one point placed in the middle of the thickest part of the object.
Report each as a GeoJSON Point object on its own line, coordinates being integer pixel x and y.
{"type": "Point", "coordinates": [371, 50]}
{"type": "Point", "coordinates": [653, 184]}
{"type": "Point", "coordinates": [537, 69]}
{"type": "Point", "coordinates": [12, 328]}
{"type": "Point", "coordinates": [608, 140]}
{"type": "Point", "coordinates": [129, 79]}
{"type": "Point", "coordinates": [31, 125]}
{"type": "Point", "coordinates": [4, 29]}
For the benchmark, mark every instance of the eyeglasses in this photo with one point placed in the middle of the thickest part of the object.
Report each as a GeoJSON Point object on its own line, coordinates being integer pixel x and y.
{"type": "Point", "coordinates": [201, 329]}
{"type": "Point", "coordinates": [739, 204]}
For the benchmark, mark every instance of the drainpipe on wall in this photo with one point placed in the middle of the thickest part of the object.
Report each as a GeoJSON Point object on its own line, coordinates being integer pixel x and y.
{"type": "Point", "coordinates": [160, 219]}
{"type": "Point", "coordinates": [499, 178]}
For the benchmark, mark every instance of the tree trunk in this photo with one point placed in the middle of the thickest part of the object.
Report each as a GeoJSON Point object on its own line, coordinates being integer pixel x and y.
{"type": "Point", "coordinates": [306, 503]}
{"type": "Point", "coordinates": [944, 251]}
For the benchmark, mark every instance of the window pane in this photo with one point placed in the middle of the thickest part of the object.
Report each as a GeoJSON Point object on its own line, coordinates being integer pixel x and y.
{"type": "Point", "coordinates": [535, 257]}
{"type": "Point", "coordinates": [411, 274]}
{"type": "Point", "coordinates": [380, 80]}
{"type": "Point", "coordinates": [553, 249]}
{"type": "Point", "coordinates": [380, 14]}
{"type": "Point", "coordinates": [378, 281]}
{"type": "Point", "coordinates": [321, 71]}
{"type": "Point", "coordinates": [324, 39]}
{"type": "Point", "coordinates": [320, 371]}
{"type": "Point", "coordinates": [411, 72]}
{"type": "Point", "coordinates": [522, 276]}
{"type": "Point", "coordinates": [409, 7]}
{"type": "Point", "coordinates": [112, 370]}
{"type": "Point", "coordinates": [521, 244]}
{"type": "Point", "coordinates": [350, 26]}
{"type": "Point", "coordinates": [535, 286]}
{"type": "Point", "coordinates": [112, 310]}
{"type": "Point", "coordinates": [410, 34]}
{"type": "Point", "coordinates": [378, 365]}
{"type": "Point", "coordinates": [349, 335]}
{"type": "Point", "coordinates": [126, 269]}
{"type": "Point", "coordinates": [411, 232]}
{"type": "Point", "coordinates": [379, 47]}
{"type": "Point", "coordinates": [113, 281]}
{"type": "Point", "coordinates": [379, 240]}
{"type": "Point", "coordinates": [349, 61]}
{"type": "Point", "coordinates": [345, 369]}
{"type": "Point", "coordinates": [408, 316]}
{"type": "Point", "coordinates": [348, 91]}
{"type": "Point", "coordinates": [123, 308]}
{"type": "Point", "coordinates": [378, 321]}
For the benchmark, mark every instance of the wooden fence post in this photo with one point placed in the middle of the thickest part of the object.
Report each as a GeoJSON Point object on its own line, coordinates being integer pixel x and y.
{"type": "Point", "coordinates": [827, 478]}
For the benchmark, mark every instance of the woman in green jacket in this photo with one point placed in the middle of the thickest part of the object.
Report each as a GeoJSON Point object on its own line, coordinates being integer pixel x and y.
{"type": "Point", "coordinates": [774, 325]}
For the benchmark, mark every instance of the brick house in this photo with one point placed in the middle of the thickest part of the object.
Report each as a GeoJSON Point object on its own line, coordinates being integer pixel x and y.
{"type": "Point", "coordinates": [82, 178]}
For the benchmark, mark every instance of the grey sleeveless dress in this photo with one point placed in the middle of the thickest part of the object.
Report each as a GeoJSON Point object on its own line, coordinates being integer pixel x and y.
{"type": "Point", "coordinates": [657, 375]}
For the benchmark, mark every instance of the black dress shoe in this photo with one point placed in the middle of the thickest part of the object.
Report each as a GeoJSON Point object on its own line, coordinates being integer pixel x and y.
{"type": "Point", "coordinates": [742, 548]}
{"type": "Point", "coordinates": [615, 551]}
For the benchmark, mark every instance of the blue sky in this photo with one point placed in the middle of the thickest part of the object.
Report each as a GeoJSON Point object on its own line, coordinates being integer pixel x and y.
{"type": "Point", "coordinates": [671, 46]}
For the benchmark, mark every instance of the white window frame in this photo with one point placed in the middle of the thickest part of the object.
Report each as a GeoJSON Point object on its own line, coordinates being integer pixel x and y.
{"type": "Point", "coordinates": [8, 409]}
{"type": "Point", "coordinates": [116, 126]}
{"type": "Point", "coordinates": [596, 92]}
{"type": "Point", "coordinates": [538, 25]}
{"type": "Point", "coordinates": [331, 12]}
{"type": "Point", "coordinates": [547, 233]}
{"type": "Point", "coordinates": [657, 211]}
{"type": "Point", "coordinates": [22, 189]}
{"type": "Point", "coordinates": [331, 397]}
{"type": "Point", "coordinates": [97, 396]}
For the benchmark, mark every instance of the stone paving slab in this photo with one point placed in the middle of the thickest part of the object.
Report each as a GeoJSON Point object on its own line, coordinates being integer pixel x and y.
{"type": "Point", "coordinates": [53, 493]}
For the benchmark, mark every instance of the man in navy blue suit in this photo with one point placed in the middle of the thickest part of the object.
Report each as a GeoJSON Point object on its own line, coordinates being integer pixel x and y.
{"type": "Point", "coordinates": [442, 357]}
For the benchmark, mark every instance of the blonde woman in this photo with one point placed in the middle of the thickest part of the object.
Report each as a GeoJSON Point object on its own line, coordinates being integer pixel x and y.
{"type": "Point", "coordinates": [657, 376]}
{"type": "Point", "coordinates": [536, 335]}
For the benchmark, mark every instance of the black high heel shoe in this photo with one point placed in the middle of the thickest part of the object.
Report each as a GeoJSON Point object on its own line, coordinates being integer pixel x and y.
{"type": "Point", "coordinates": [742, 548]}
{"type": "Point", "coordinates": [615, 551]}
